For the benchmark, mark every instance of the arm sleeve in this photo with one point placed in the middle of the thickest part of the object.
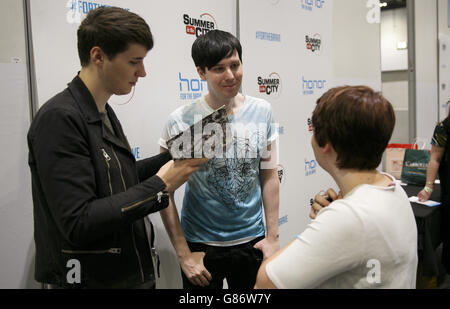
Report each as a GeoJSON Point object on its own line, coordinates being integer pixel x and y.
{"type": "Point", "coordinates": [68, 180]}
{"type": "Point", "coordinates": [174, 125]}
{"type": "Point", "coordinates": [440, 136]}
{"type": "Point", "coordinates": [149, 167]}
{"type": "Point", "coordinates": [330, 245]}
{"type": "Point", "coordinates": [273, 128]}
{"type": "Point", "coordinates": [166, 133]}
{"type": "Point", "coordinates": [270, 158]}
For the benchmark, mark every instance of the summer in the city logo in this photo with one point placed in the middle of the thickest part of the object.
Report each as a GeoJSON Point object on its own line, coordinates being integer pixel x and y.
{"type": "Point", "coordinates": [270, 85]}
{"type": "Point", "coordinates": [199, 26]}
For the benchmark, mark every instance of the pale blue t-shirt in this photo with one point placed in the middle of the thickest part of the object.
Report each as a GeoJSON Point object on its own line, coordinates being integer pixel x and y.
{"type": "Point", "coordinates": [222, 203]}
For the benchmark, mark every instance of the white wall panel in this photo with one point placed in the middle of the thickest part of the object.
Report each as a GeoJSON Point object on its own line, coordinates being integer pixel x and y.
{"type": "Point", "coordinates": [293, 41]}
{"type": "Point", "coordinates": [427, 92]}
{"type": "Point", "coordinates": [16, 210]}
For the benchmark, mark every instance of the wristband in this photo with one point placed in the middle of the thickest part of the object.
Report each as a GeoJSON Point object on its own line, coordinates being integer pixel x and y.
{"type": "Point", "coordinates": [428, 190]}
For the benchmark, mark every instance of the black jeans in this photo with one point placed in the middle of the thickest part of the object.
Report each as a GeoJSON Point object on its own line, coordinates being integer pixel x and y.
{"type": "Point", "coordinates": [238, 264]}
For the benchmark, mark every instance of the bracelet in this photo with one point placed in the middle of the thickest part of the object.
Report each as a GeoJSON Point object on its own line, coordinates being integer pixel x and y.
{"type": "Point", "coordinates": [428, 189]}
{"type": "Point", "coordinates": [431, 183]}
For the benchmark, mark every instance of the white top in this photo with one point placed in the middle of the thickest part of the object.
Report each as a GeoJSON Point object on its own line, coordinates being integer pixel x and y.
{"type": "Point", "coordinates": [366, 240]}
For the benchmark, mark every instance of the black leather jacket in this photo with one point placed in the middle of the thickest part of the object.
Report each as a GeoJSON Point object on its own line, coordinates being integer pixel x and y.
{"type": "Point", "coordinates": [90, 195]}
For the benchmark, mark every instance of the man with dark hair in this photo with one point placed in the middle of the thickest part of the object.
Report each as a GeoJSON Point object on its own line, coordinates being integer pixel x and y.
{"type": "Point", "coordinates": [366, 237]}
{"type": "Point", "coordinates": [209, 50]}
{"type": "Point", "coordinates": [112, 30]}
{"type": "Point", "coordinates": [91, 198]}
{"type": "Point", "coordinates": [222, 235]}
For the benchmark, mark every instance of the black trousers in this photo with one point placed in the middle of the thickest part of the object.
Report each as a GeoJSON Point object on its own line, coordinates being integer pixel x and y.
{"type": "Point", "coordinates": [239, 265]}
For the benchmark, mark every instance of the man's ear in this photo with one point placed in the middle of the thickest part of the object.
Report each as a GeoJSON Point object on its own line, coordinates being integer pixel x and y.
{"type": "Point", "coordinates": [201, 73]}
{"type": "Point", "coordinates": [327, 148]}
{"type": "Point", "coordinates": [97, 55]}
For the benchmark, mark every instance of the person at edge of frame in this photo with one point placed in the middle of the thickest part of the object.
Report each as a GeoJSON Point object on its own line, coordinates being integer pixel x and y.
{"type": "Point", "coordinates": [439, 166]}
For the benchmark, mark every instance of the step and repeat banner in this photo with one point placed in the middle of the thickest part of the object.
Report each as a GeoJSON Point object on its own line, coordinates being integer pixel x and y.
{"type": "Point", "coordinates": [288, 60]}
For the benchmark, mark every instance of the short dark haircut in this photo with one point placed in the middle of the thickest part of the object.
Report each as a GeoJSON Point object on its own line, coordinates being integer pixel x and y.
{"type": "Point", "coordinates": [210, 48]}
{"type": "Point", "coordinates": [112, 29]}
{"type": "Point", "coordinates": [358, 122]}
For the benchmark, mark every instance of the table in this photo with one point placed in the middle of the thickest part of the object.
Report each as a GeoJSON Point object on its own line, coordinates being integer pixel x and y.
{"type": "Point", "coordinates": [428, 220]}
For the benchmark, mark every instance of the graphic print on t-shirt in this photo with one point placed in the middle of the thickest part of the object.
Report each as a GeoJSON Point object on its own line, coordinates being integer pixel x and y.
{"type": "Point", "coordinates": [234, 177]}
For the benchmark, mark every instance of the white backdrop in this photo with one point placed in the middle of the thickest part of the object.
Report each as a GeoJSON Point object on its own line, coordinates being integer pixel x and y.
{"type": "Point", "coordinates": [16, 213]}
{"type": "Point", "coordinates": [293, 40]}
{"type": "Point", "coordinates": [16, 210]}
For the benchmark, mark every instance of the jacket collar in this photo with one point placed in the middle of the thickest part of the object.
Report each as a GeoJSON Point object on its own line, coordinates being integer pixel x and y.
{"type": "Point", "coordinates": [88, 108]}
{"type": "Point", "coordinates": [119, 139]}
{"type": "Point", "coordinates": [84, 99]}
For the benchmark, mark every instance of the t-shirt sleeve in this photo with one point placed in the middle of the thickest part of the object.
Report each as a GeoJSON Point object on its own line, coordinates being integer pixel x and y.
{"type": "Point", "coordinates": [169, 131]}
{"type": "Point", "coordinates": [330, 245]}
{"type": "Point", "coordinates": [270, 157]}
{"type": "Point", "coordinates": [272, 126]}
{"type": "Point", "coordinates": [440, 136]}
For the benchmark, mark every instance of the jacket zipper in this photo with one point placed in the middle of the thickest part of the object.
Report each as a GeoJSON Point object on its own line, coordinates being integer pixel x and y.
{"type": "Point", "coordinates": [111, 251]}
{"type": "Point", "coordinates": [120, 168]}
{"type": "Point", "coordinates": [132, 227]}
{"type": "Point", "coordinates": [107, 159]}
{"type": "Point", "coordinates": [158, 196]}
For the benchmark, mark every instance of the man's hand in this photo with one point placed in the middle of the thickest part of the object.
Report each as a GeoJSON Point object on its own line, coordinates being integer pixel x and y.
{"type": "Point", "coordinates": [321, 201]}
{"type": "Point", "coordinates": [176, 173]}
{"type": "Point", "coordinates": [268, 246]}
{"type": "Point", "coordinates": [194, 269]}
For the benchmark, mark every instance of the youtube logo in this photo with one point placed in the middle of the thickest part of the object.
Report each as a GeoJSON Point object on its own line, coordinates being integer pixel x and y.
{"type": "Point", "coordinates": [190, 30]}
